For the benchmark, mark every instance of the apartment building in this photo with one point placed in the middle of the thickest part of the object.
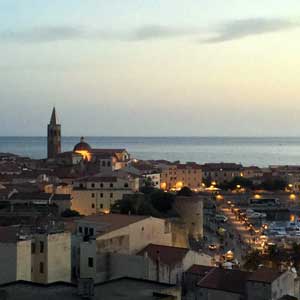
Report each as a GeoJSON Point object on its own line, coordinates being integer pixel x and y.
{"type": "Point", "coordinates": [177, 176]}
{"type": "Point", "coordinates": [95, 194]}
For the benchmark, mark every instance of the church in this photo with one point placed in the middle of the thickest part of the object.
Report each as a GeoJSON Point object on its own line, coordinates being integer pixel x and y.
{"type": "Point", "coordinates": [82, 153]}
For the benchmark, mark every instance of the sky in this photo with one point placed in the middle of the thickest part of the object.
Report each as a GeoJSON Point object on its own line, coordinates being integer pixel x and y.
{"type": "Point", "coordinates": [150, 68]}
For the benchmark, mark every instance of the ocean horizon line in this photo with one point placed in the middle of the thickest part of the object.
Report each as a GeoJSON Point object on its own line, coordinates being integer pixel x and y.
{"type": "Point", "coordinates": [154, 136]}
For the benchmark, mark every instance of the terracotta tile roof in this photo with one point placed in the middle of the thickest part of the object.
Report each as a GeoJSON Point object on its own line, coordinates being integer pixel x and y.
{"type": "Point", "coordinates": [222, 166]}
{"type": "Point", "coordinates": [265, 275]}
{"type": "Point", "coordinates": [166, 254]}
{"type": "Point", "coordinates": [233, 281]}
{"type": "Point", "coordinates": [188, 166]}
{"type": "Point", "coordinates": [111, 222]}
{"type": "Point", "coordinates": [98, 178]}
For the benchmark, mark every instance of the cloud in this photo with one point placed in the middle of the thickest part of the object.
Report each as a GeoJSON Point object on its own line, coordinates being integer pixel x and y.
{"type": "Point", "coordinates": [161, 32]}
{"type": "Point", "coordinates": [238, 29]}
{"type": "Point", "coordinates": [60, 33]}
{"type": "Point", "coordinates": [43, 34]}
{"type": "Point", "coordinates": [232, 30]}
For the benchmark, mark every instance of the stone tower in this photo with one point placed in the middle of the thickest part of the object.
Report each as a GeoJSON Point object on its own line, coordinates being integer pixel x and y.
{"type": "Point", "coordinates": [54, 136]}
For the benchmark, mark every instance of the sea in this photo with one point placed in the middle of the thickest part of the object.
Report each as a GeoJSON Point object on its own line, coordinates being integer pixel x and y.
{"type": "Point", "coordinates": [260, 151]}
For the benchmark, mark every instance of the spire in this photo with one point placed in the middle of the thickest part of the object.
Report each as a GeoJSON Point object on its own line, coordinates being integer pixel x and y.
{"type": "Point", "coordinates": [53, 120]}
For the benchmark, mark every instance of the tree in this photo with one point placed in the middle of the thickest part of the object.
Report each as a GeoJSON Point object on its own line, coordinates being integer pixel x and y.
{"type": "Point", "coordinates": [162, 201]}
{"type": "Point", "coordinates": [241, 181]}
{"type": "Point", "coordinates": [274, 184]}
{"type": "Point", "coordinates": [253, 260]}
{"type": "Point", "coordinates": [185, 191]}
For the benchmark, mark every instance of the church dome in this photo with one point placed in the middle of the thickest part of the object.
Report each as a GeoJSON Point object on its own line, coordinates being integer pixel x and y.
{"type": "Point", "coordinates": [82, 146]}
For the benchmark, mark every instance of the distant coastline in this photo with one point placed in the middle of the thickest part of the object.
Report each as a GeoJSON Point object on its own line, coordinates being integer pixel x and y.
{"type": "Point", "coordinates": [260, 151]}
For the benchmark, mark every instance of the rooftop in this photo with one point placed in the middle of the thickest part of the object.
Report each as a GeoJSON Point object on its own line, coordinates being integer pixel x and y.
{"type": "Point", "coordinates": [123, 288]}
{"type": "Point", "coordinates": [265, 275]}
{"type": "Point", "coordinates": [222, 166]}
{"type": "Point", "coordinates": [233, 281]}
{"type": "Point", "coordinates": [98, 178]}
{"type": "Point", "coordinates": [39, 196]}
{"type": "Point", "coordinates": [166, 254]}
{"type": "Point", "coordinates": [199, 270]}
{"type": "Point", "coordinates": [111, 222]}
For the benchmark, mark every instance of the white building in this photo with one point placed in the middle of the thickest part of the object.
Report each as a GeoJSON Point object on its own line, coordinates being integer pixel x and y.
{"type": "Point", "coordinates": [41, 258]}
{"type": "Point", "coordinates": [15, 255]}
{"type": "Point", "coordinates": [120, 234]}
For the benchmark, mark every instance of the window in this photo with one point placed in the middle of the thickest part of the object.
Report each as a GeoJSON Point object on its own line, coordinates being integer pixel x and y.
{"type": "Point", "coordinates": [126, 184]}
{"type": "Point", "coordinates": [41, 247]}
{"type": "Point", "coordinates": [41, 267]}
{"type": "Point", "coordinates": [101, 205]}
{"type": "Point", "coordinates": [93, 195]}
{"type": "Point", "coordinates": [111, 185]}
{"type": "Point", "coordinates": [91, 262]}
{"type": "Point", "coordinates": [93, 185]}
{"type": "Point", "coordinates": [142, 228]}
{"type": "Point", "coordinates": [101, 195]}
{"type": "Point", "coordinates": [101, 185]}
{"type": "Point", "coordinates": [80, 229]}
{"type": "Point", "coordinates": [108, 164]}
{"type": "Point", "coordinates": [86, 231]}
{"type": "Point", "coordinates": [103, 163]}
{"type": "Point", "coordinates": [32, 248]}
{"type": "Point", "coordinates": [111, 195]}
{"type": "Point", "coordinates": [93, 205]}
{"type": "Point", "coordinates": [91, 231]}
{"type": "Point", "coordinates": [81, 185]}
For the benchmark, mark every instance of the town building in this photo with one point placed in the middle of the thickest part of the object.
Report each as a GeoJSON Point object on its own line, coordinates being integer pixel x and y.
{"type": "Point", "coordinates": [39, 199]}
{"type": "Point", "coordinates": [94, 194]}
{"type": "Point", "coordinates": [145, 169]}
{"type": "Point", "coordinates": [221, 172]}
{"type": "Point", "coordinates": [51, 257]}
{"type": "Point", "coordinates": [252, 173]}
{"type": "Point", "coordinates": [106, 160]}
{"type": "Point", "coordinates": [168, 264]}
{"type": "Point", "coordinates": [41, 255]}
{"type": "Point", "coordinates": [117, 234]}
{"type": "Point", "coordinates": [15, 255]}
{"type": "Point", "coordinates": [202, 283]}
{"type": "Point", "coordinates": [54, 136]}
{"type": "Point", "coordinates": [177, 176]}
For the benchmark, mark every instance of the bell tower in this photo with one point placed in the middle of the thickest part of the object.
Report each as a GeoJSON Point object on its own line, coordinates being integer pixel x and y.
{"type": "Point", "coordinates": [54, 136]}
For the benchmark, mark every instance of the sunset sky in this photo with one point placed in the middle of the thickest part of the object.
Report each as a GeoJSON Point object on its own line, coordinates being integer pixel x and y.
{"type": "Point", "coordinates": [155, 67]}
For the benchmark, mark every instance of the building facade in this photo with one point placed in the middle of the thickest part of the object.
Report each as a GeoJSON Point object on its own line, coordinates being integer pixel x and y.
{"type": "Point", "coordinates": [177, 176]}
{"type": "Point", "coordinates": [97, 194]}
